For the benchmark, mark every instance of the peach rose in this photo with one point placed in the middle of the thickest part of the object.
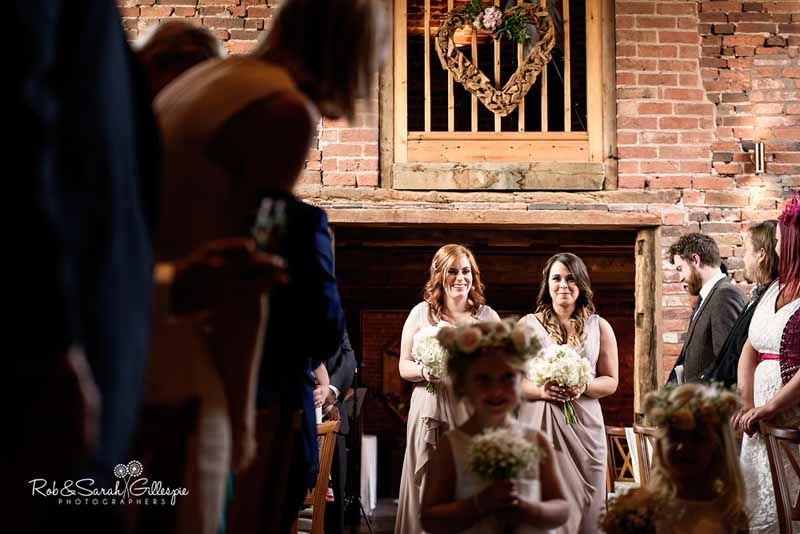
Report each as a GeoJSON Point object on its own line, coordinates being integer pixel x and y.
{"type": "Point", "coordinates": [468, 339]}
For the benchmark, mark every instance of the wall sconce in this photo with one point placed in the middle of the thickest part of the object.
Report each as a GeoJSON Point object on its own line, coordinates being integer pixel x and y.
{"type": "Point", "coordinates": [759, 158]}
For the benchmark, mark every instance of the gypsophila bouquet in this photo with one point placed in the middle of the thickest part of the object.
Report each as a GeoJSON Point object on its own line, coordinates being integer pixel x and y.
{"type": "Point", "coordinates": [501, 454]}
{"type": "Point", "coordinates": [427, 351]}
{"type": "Point", "coordinates": [562, 365]}
{"type": "Point", "coordinates": [631, 513]}
{"type": "Point", "coordinates": [506, 334]}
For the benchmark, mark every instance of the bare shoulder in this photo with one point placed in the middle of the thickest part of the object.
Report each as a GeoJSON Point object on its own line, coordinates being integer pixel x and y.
{"type": "Point", "coordinates": [605, 326]}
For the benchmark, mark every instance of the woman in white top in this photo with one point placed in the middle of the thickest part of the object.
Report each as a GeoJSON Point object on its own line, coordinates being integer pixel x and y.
{"type": "Point", "coordinates": [452, 295]}
{"type": "Point", "coordinates": [765, 395]}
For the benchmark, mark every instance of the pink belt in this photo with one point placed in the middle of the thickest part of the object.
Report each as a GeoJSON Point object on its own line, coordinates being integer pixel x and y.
{"type": "Point", "coordinates": [764, 356]}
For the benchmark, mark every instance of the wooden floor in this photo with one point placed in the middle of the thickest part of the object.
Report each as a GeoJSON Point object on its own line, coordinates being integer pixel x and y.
{"type": "Point", "coordinates": [382, 518]}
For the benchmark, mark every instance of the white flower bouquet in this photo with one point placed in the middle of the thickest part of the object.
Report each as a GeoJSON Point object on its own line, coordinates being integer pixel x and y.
{"type": "Point", "coordinates": [427, 350]}
{"type": "Point", "coordinates": [501, 454]}
{"type": "Point", "coordinates": [562, 365]}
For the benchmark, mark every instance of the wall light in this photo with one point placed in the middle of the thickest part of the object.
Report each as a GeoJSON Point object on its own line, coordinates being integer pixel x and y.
{"type": "Point", "coordinates": [759, 158]}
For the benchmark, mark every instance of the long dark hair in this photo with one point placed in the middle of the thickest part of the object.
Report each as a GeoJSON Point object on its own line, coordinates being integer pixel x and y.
{"type": "Point", "coordinates": [789, 259]}
{"type": "Point", "coordinates": [584, 307]}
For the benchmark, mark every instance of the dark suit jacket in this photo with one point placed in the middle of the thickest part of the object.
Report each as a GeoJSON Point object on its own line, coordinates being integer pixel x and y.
{"type": "Point", "coordinates": [709, 329]}
{"type": "Point", "coordinates": [724, 368]}
{"type": "Point", "coordinates": [88, 150]}
{"type": "Point", "coordinates": [341, 369]}
{"type": "Point", "coordinates": [306, 320]}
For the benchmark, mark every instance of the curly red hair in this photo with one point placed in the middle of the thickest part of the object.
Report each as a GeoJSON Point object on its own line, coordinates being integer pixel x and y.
{"type": "Point", "coordinates": [433, 293]}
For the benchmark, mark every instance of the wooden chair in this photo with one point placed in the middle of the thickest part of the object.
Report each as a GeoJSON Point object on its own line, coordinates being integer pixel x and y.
{"type": "Point", "coordinates": [161, 445]}
{"type": "Point", "coordinates": [645, 445]}
{"type": "Point", "coordinates": [326, 436]}
{"type": "Point", "coordinates": [258, 492]}
{"type": "Point", "coordinates": [619, 467]}
{"type": "Point", "coordinates": [782, 450]}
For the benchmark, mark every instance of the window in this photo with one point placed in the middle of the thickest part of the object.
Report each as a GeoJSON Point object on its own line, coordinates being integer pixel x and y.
{"type": "Point", "coordinates": [445, 138]}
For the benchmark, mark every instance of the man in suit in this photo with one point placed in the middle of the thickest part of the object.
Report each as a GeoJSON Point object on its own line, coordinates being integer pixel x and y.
{"type": "Point", "coordinates": [760, 268]}
{"type": "Point", "coordinates": [304, 328]}
{"type": "Point", "coordinates": [697, 259]}
{"type": "Point", "coordinates": [341, 369]}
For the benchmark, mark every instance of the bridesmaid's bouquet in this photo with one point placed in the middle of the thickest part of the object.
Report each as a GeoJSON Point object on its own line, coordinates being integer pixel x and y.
{"type": "Point", "coordinates": [562, 365]}
{"type": "Point", "coordinates": [500, 454]}
{"type": "Point", "coordinates": [427, 350]}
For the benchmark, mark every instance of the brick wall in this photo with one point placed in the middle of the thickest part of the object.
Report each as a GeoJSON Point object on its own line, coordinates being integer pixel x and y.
{"type": "Point", "coordinates": [698, 82]}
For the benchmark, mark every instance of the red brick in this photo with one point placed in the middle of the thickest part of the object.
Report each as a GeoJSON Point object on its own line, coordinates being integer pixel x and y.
{"type": "Point", "coordinates": [223, 22]}
{"type": "Point", "coordinates": [212, 11]}
{"type": "Point", "coordinates": [659, 80]}
{"type": "Point", "coordinates": [310, 177]}
{"type": "Point", "coordinates": [638, 152]}
{"type": "Point", "coordinates": [337, 178]}
{"type": "Point", "coordinates": [367, 179]}
{"type": "Point", "coordinates": [742, 40]}
{"type": "Point", "coordinates": [683, 152]}
{"type": "Point", "coordinates": [129, 12]}
{"type": "Point", "coordinates": [713, 183]}
{"type": "Point", "coordinates": [672, 93]}
{"type": "Point", "coordinates": [636, 64]}
{"type": "Point", "coordinates": [628, 50]}
{"type": "Point", "coordinates": [693, 198]}
{"type": "Point", "coordinates": [627, 138]}
{"type": "Point", "coordinates": [695, 166]}
{"type": "Point", "coordinates": [670, 182]}
{"type": "Point", "coordinates": [635, 8]}
{"type": "Point", "coordinates": [654, 167]}
{"type": "Point", "coordinates": [359, 135]}
{"type": "Point", "coordinates": [626, 22]}
{"type": "Point", "coordinates": [687, 37]}
{"type": "Point", "coordinates": [667, 51]}
{"type": "Point", "coordinates": [756, 27]}
{"type": "Point", "coordinates": [341, 150]}
{"type": "Point", "coordinates": [658, 138]}
{"type": "Point", "coordinates": [793, 72]}
{"type": "Point", "coordinates": [185, 11]}
{"type": "Point", "coordinates": [254, 24]}
{"type": "Point", "coordinates": [677, 65]}
{"type": "Point", "coordinates": [635, 36]}
{"type": "Point", "coordinates": [677, 123]}
{"type": "Point", "coordinates": [655, 108]}
{"type": "Point", "coordinates": [157, 12]}
{"type": "Point", "coordinates": [722, 7]}
{"type": "Point", "coordinates": [713, 17]}
{"type": "Point", "coordinates": [637, 123]}
{"type": "Point", "coordinates": [713, 198]}
{"type": "Point", "coordinates": [694, 109]}
{"type": "Point", "coordinates": [696, 137]}
{"type": "Point", "coordinates": [625, 166]}
{"type": "Point", "coordinates": [654, 22]}
{"type": "Point", "coordinates": [676, 8]}
{"type": "Point", "coordinates": [631, 182]}
{"type": "Point", "coordinates": [674, 218]}
{"type": "Point", "coordinates": [262, 12]}
{"type": "Point", "coordinates": [626, 78]}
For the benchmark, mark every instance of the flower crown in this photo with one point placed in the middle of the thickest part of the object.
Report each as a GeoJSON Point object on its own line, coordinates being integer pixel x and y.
{"type": "Point", "coordinates": [506, 334]}
{"type": "Point", "coordinates": [683, 407]}
{"type": "Point", "coordinates": [791, 212]}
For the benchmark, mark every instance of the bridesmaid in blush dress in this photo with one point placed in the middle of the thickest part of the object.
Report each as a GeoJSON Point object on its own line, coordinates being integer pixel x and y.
{"type": "Point", "coordinates": [565, 316]}
{"type": "Point", "coordinates": [453, 294]}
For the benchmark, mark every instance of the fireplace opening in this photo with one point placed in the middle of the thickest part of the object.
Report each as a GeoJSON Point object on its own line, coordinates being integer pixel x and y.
{"type": "Point", "coordinates": [381, 272]}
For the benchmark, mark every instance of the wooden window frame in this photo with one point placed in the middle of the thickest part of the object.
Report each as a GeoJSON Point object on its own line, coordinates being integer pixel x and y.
{"type": "Point", "coordinates": [503, 160]}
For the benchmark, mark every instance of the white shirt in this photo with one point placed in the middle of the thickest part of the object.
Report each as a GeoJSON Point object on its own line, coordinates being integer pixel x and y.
{"type": "Point", "coordinates": [706, 289]}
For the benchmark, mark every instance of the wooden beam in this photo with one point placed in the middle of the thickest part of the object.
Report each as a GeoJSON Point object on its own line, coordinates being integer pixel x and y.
{"type": "Point", "coordinates": [567, 73]}
{"type": "Point", "coordinates": [647, 347]}
{"type": "Point", "coordinates": [468, 150]}
{"type": "Point", "coordinates": [400, 82]}
{"type": "Point", "coordinates": [474, 107]}
{"type": "Point", "coordinates": [451, 107]}
{"type": "Point", "coordinates": [610, 95]}
{"type": "Point", "coordinates": [427, 69]}
{"type": "Point", "coordinates": [497, 119]}
{"type": "Point", "coordinates": [499, 176]}
{"type": "Point", "coordinates": [587, 220]}
{"type": "Point", "coordinates": [492, 136]}
{"type": "Point", "coordinates": [543, 85]}
{"type": "Point", "coordinates": [594, 79]}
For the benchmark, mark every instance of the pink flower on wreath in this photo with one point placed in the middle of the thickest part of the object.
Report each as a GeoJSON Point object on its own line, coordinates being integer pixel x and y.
{"type": "Point", "coordinates": [491, 18]}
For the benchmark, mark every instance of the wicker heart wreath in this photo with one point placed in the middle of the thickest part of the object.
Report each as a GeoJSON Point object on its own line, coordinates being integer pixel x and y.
{"type": "Point", "coordinates": [500, 102]}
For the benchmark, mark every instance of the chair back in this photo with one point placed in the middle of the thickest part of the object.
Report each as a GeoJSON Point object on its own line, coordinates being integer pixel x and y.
{"type": "Point", "coordinates": [161, 445]}
{"type": "Point", "coordinates": [254, 501]}
{"type": "Point", "coordinates": [619, 466]}
{"type": "Point", "coordinates": [783, 451]}
{"type": "Point", "coordinates": [326, 438]}
{"type": "Point", "coordinates": [645, 445]}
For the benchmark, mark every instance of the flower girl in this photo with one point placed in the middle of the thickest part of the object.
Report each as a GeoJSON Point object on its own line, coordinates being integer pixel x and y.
{"type": "Point", "coordinates": [491, 474]}
{"type": "Point", "coordinates": [696, 484]}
